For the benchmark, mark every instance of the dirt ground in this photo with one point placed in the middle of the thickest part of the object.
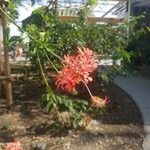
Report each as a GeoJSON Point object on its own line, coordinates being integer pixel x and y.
{"type": "Point", "coordinates": [119, 128]}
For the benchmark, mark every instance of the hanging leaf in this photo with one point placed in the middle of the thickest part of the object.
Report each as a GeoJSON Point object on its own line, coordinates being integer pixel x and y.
{"type": "Point", "coordinates": [49, 106]}
{"type": "Point", "coordinates": [11, 5]}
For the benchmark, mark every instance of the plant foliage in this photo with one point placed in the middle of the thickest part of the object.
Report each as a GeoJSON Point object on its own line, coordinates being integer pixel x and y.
{"type": "Point", "coordinates": [107, 40]}
{"type": "Point", "coordinates": [76, 108]}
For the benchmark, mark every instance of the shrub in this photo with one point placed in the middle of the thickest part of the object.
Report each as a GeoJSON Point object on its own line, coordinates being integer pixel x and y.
{"type": "Point", "coordinates": [108, 41]}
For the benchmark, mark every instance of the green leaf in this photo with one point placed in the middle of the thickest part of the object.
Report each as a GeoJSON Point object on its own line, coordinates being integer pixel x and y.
{"type": "Point", "coordinates": [49, 106]}
{"type": "Point", "coordinates": [148, 29]}
{"type": "Point", "coordinates": [48, 97]}
{"type": "Point", "coordinates": [11, 5]}
{"type": "Point", "coordinates": [59, 100]}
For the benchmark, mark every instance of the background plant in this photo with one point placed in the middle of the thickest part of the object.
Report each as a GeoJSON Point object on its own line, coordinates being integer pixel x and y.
{"type": "Point", "coordinates": [109, 41]}
{"type": "Point", "coordinates": [140, 44]}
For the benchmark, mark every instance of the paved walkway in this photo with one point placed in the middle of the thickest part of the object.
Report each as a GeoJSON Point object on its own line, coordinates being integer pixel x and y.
{"type": "Point", "coordinates": [139, 89]}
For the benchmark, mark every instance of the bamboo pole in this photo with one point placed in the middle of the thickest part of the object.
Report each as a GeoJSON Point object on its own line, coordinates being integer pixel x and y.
{"type": "Point", "coordinates": [8, 84]}
{"type": "Point", "coordinates": [9, 98]}
{"type": "Point", "coordinates": [1, 58]}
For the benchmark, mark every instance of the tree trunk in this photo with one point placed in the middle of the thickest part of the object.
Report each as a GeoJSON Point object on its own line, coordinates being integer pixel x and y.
{"type": "Point", "coordinates": [9, 98]}
{"type": "Point", "coordinates": [8, 84]}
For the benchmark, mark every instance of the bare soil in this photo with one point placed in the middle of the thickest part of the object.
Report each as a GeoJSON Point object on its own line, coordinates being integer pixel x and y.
{"type": "Point", "coordinates": [119, 128]}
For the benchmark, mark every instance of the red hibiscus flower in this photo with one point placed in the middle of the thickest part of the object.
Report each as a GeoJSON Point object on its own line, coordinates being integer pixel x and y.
{"type": "Point", "coordinates": [77, 68]}
{"type": "Point", "coordinates": [14, 146]}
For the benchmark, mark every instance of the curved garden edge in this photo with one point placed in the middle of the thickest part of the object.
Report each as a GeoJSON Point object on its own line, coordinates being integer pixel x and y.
{"type": "Point", "coordinates": [138, 89]}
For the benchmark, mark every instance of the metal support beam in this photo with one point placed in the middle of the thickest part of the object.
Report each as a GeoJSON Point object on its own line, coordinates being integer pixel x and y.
{"type": "Point", "coordinates": [129, 10]}
{"type": "Point", "coordinates": [109, 10]}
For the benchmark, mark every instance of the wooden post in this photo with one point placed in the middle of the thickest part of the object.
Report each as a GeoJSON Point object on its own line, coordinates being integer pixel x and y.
{"type": "Point", "coordinates": [1, 58]}
{"type": "Point", "coordinates": [8, 84]}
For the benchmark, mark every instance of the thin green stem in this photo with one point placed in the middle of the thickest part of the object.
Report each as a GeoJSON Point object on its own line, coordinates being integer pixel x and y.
{"type": "Point", "coordinates": [44, 77]}
{"type": "Point", "coordinates": [51, 63]}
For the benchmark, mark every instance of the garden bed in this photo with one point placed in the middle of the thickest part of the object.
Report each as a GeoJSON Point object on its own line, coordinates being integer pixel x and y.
{"type": "Point", "coordinates": [120, 127]}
